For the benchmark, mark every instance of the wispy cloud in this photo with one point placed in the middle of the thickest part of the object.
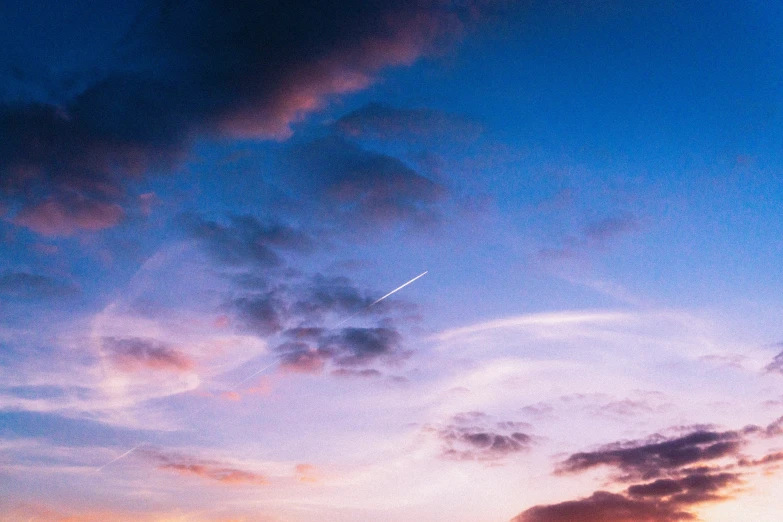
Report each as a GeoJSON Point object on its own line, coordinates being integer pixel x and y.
{"type": "Point", "coordinates": [596, 235]}
{"type": "Point", "coordinates": [206, 469]}
{"type": "Point", "coordinates": [35, 286]}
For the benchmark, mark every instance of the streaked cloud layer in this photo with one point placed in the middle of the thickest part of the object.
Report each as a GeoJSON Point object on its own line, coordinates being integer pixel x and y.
{"type": "Point", "coordinates": [215, 221]}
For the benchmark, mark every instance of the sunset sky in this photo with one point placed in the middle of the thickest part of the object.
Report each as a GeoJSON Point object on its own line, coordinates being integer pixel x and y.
{"type": "Point", "coordinates": [202, 204]}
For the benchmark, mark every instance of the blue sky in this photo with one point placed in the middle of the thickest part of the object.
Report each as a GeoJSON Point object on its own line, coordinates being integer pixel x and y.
{"type": "Point", "coordinates": [201, 205]}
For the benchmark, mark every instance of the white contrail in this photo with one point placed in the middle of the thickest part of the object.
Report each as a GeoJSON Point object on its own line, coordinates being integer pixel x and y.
{"type": "Point", "coordinates": [243, 381]}
{"type": "Point", "coordinates": [379, 300]}
{"type": "Point", "coordinates": [121, 456]}
{"type": "Point", "coordinates": [399, 288]}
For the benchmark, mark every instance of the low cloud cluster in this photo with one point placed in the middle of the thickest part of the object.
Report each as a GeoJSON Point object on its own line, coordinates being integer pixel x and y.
{"type": "Point", "coordinates": [300, 315]}
{"type": "Point", "coordinates": [668, 477]}
{"type": "Point", "coordinates": [309, 350]}
{"type": "Point", "coordinates": [473, 436]}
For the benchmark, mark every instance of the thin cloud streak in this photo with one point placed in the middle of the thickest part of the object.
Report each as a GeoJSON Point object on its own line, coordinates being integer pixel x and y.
{"type": "Point", "coordinates": [543, 319]}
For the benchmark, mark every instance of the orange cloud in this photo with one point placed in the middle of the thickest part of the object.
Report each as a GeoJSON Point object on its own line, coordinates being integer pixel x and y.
{"type": "Point", "coordinates": [206, 469]}
{"type": "Point", "coordinates": [231, 396]}
{"type": "Point", "coordinates": [306, 473]}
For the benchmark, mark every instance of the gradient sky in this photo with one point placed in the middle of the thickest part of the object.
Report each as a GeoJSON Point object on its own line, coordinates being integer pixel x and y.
{"type": "Point", "coordinates": [200, 203]}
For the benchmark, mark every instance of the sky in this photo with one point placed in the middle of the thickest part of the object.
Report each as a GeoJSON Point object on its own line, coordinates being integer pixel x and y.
{"type": "Point", "coordinates": [206, 209]}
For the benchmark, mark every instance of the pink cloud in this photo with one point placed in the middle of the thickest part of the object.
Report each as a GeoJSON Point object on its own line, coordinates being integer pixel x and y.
{"type": "Point", "coordinates": [58, 218]}
{"type": "Point", "coordinates": [205, 469]}
{"type": "Point", "coordinates": [136, 354]}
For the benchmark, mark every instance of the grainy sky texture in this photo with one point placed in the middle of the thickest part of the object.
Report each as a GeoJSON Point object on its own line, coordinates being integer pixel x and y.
{"type": "Point", "coordinates": [202, 204]}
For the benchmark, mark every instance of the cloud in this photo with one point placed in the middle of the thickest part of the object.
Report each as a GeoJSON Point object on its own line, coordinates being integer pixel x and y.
{"type": "Point", "coordinates": [360, 346]}
{"type": "Point", "coordinates": [213, 68]}
{"type": "Point", "coordinates": [23, 285]}
{"type": "Point", "coordinates": [306, 473]}
{"type": "Point", "coordinates": [136, 354]}
{"type": "Point", "coordinates": [693, 488]}
{"type": "Point", "coordinates": [346, 183]}
{"type": "Point", "coordinates": [608, 228]}
{"type": "Point", "coordinates": [671, 477]}
{"type": "Point", "coordinates": [245, 239]}
{"type": "Point", "coordinates": [263, 314]}
{"type": "Point", "coordinates": [312, 349]}
{"type": "Point", "coordinates": [336, 295]}
{"type": "Point", "coordinates": [603, 506]}
{"type": "Point", "coordinates": [658, 458]}
{"type": "Point", "coordinates": [776, 366]}
{"type": "Point", "coordinates": [367, 373]}
{"type": "Point", "coordinates": [472, 437]}
{"type": "Point", "coordinates": [274, 302]}
{"type": "Point", "coordinates": [384, 122]}
{"type": "Point", "coordinates": [63, 217]}
{"type": "Point", "coordinates": [206, 469]}
{"type": "Point", "coordinates": [594, 236]}
{"type": "Point", "coordinates": [297, 311]}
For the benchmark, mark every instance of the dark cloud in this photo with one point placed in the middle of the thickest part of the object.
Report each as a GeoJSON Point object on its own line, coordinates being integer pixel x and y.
{"type": "Point", "coordinates": [347, 183]}
{"type": "Point", "coordinates": [693, 488]}
{"type": "Point", "coordinates": [312, 349]}
{"type": "Point", "coordinates": [271, 299]}
{"type": "Point", "coordinates": [663, 500]}
{"type": "Point", "coordinates": [246, 239]}
{"type": "Point", "coordinates": [360, 346]}
{"type": "Point", "coordinates": [384, 122]}
{"type": "Point", "coordinates": [292, 312]}
{"type": "Point", "coordinates": [135, 354]}
{"type": "Point", "coordinates": [603, 506]}
{"type": "Point", "coordinates": [23, 285]}
{"type": "Point", "coordinates": [656, 459]}
{"type": "Point", "coordinates": [208, 68]}
{"type": "Point", "coordinates": [776, 366]}
{"type": "Point", "coordinates": [472, 436]}
{"type": "Point", "coordinates": [290, 304]}
{"type": "Point", "coordinates": [335, 295]}
{"type": "Point", "coordinates": [206, 469]}
{"type": "Point", "coordinates": [687, 471]}
{"type": "Point", "coordinates": [264, 314]}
